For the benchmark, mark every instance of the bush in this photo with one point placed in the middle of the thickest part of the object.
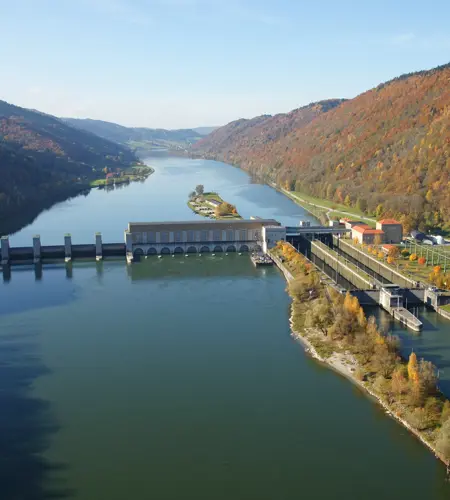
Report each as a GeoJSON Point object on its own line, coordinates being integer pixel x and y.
{"type": "Point", "coordinates": [420, 419]}
{"type": "Point", "coordinates": [380, 255]}
{"type": "Point", "coordinates": [413, 257]}
{"type": "Point", "coordinates": [422, 261]}
{"type": "Point", "coordinates": [405, 253]}
{"type": "Point", "coordinates": [359, 374]}
{"type": "Point", "coordinates": [443, 440]}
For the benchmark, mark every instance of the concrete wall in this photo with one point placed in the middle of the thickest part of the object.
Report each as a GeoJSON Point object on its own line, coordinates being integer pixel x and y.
{"type": "Point", "coordinates": [330, 258]}
{"type": "Point", "coordinates": [271, 235]}
{"type": "Point", "coordinates": [443, 313]}
{"type": "Point", "coordinates": [372, 263]}
{"type": "Point", "coordinates": [393, 233]}
{"type": "Point", "coordinates": [367, 297]}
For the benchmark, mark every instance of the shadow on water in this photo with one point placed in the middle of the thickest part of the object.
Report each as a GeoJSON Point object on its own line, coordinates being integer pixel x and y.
{"type": "Point", "coordinates": [24, 287]}
{"type": "Point", "coordinates": [428, 326]}
{"type": "Point", "coordinates": [26, 426]}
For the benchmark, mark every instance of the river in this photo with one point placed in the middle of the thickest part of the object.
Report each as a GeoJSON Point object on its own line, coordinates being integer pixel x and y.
{"type": "Point", "coordinates": [177, 378]}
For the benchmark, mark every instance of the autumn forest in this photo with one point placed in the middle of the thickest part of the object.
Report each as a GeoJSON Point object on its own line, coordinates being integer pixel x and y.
{"type": "Point", "coordinates": [387, 151]}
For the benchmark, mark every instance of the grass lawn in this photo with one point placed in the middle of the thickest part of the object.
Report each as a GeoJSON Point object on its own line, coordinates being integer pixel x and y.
{"type": "Point", "coordinates": [446, 308]}
{"type": "Point", "coordinates": [338, 208]}
{"type": "Point", "coordinates": [411, 269]}
{"type": "Point", "coordinates": [98, 182]}
{"type": "Point", "coordinates": [212, 196]}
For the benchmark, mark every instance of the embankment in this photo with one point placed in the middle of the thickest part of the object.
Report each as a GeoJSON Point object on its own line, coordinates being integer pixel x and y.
{"type": "Point", "coordinates": [346, 365]}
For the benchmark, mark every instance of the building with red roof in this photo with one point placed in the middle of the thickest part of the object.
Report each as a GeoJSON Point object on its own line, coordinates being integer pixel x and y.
{"type": "Point", "coordinates": [393, 230]}
{"type": "Point", "coordinates": [365, 234]}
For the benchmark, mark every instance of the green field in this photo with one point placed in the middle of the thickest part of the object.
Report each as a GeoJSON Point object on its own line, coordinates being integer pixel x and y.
{"type": "Point", "coordinates": [318, 206]}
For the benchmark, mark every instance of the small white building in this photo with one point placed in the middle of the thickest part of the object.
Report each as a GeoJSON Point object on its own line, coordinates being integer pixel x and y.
{"type": "Point", "coordinates": [213, 203]}
{"type": "Point", "coordinates": [271, 235]}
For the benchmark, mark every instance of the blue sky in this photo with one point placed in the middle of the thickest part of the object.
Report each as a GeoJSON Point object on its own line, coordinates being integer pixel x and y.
{"type": "Point", "coordinates": [187, 63]}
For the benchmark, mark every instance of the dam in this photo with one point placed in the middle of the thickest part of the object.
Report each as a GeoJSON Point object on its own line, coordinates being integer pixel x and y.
{"type": "Point", "coordinates": [168, 238]}
{"type": "Point", "coordinates": [155, 238]}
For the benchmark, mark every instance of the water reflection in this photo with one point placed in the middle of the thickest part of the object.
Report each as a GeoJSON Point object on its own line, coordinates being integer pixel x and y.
{"type": "Point", "coordinates": [38, 272]}
{"type": "Point", "coordinates": [69, 270]}
{"type": "Point", "coordinates": [26, 425]}
{"type": "Point", "coordinates": [6, 271]}
{"type": "Point", "coordinates": [193, 267]}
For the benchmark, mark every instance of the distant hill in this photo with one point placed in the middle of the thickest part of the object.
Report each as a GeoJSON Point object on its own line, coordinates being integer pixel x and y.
{"type": "Point", "coordinates": [239, 138]}
{"type": "Point", "coordinates": [139, 139]}
{"type": "Point", "coordinates": [43, 160]}
{"type": "Point", "coordinates": [387, 151]}
{"type": "Point", "coordinates": [204, 130]}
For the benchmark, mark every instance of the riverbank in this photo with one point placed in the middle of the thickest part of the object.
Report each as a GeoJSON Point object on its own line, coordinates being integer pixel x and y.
{"type": "Point", "coordinates": [133, 174]}
{"type": "Point", "coordinates": [346, 365]}
{"type": "Point", "coordinates": [383, 366]}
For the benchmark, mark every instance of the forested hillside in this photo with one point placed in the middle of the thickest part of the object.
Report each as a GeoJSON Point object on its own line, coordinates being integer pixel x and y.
{"type": "Point", "coordinates": [238, 139]}
{"type": "Point", "coordinates": [43, 160]}
{"type": "Point", "coordinates": [139, 139]}
{"type": "Point", "coordinates": [386, 151]}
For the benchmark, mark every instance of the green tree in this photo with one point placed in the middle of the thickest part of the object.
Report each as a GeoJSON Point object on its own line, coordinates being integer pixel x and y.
{"type": "Point", "coordinates": [320, 316]}
{"type": "Point", "coordinates": [427, 377]}
{"type": "Point", "coordinates": [383, 361]}
{"type": "Point", "coordinates": [361, 205]}
{"type": "Point", "coordinates": [347, 201]}
{"type": "Point", "coordinates": [379, 211]}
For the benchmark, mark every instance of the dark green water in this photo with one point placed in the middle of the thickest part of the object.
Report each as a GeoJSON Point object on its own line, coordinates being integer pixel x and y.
{"type": "Point", "coordinates": [177, 378]}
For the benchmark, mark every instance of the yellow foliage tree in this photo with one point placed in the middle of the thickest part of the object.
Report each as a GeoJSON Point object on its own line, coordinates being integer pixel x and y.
{"type": "Point", "coordinates": [362, 320]}
{"type": "Point", "coordinates": [413, 368]}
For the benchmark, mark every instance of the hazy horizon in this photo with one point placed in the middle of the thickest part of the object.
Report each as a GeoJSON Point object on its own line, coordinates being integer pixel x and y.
{"type": "Point", "coordinates": [195, 63]}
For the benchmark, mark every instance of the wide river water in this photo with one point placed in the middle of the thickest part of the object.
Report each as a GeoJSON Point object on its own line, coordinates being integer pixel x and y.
{"type": "Point", "coordinates": [177, 378]}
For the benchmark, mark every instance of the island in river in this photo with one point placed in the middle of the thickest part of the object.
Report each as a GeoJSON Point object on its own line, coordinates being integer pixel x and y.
{"type": "Point", "coordinates": [211, 205]}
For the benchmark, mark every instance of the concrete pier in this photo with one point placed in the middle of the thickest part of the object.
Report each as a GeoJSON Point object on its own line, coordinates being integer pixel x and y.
{"type": "Point", "coordinates": [98, 247]}
{"type": "Point", "coordinates": [129, 246]}
{"type": "Point", "coordinates": [391, 299]}
{"type": "Point", "coordinates": [407, 318]}
{"type": "Point", "coordinates": [68, 247]}
{"type": "Point", "coordinates": [36, 249]}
